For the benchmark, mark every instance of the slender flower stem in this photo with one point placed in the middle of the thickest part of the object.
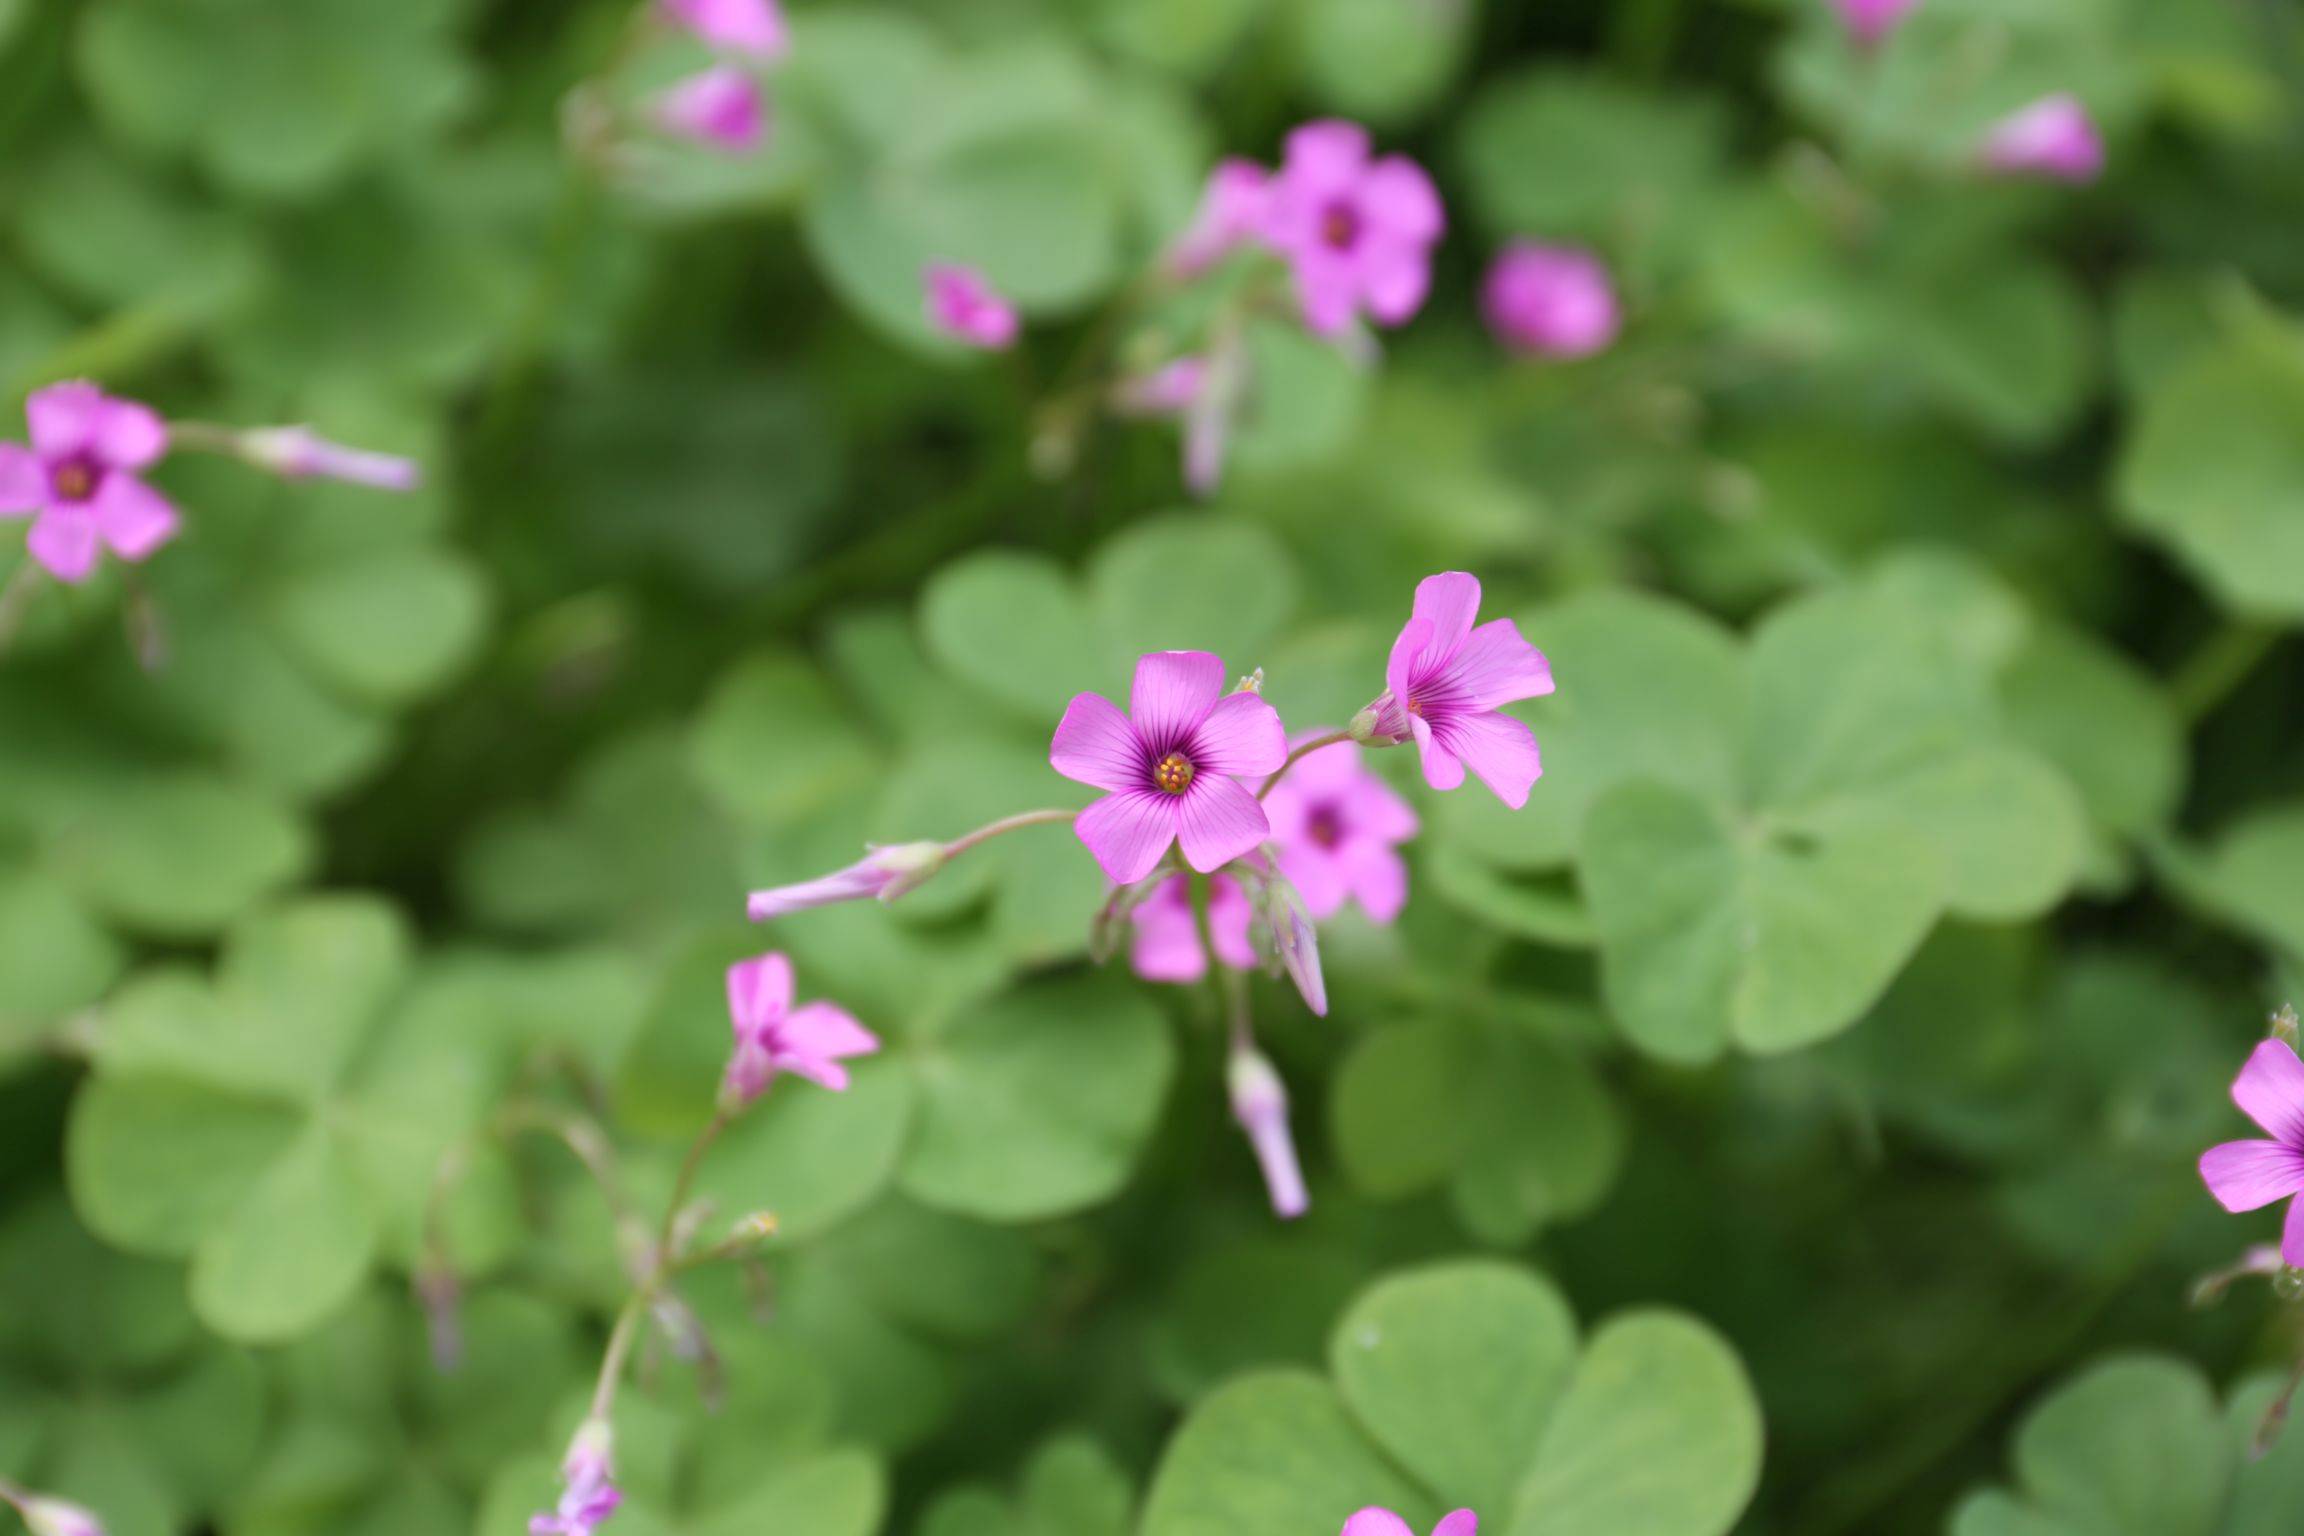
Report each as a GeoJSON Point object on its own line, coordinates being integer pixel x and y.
{"type": "Point", "coordinates": [662, 1264]}
{"type": "Point", "coordinates": [16, 598]}
{"type": "Point", "coordinates": [990, 830]}
{"type": "Point", "coordinates": [2220, 665]}
{"type": "Point", "coordinates": [1304, 751]}
{"type": "Point", "coordinates": [204, 437]}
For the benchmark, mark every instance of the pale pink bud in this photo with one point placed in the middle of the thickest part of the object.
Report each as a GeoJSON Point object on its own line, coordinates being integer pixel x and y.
{"type": "Point", "coordinates": [299, 453]}
{"type": "Point", "coordinates": [1260, 1104]}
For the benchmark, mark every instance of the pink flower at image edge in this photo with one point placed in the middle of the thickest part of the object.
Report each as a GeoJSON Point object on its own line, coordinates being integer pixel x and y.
{"type": "Point", "coordinates": [1358, 232]}
{"type": "Point", "coordinates": [1382, 1522]}
{"type": "Point", "coordinates": [2053, 137]}
{"type": "Point", "coordinates": [966, 307]}
{"type": "Point", "coordinates": [79, 479]}
{"type": "Point", "coordinates": [1446, 682]}
{"type": "Point", "coordinates": [1169, 766]}
{"type": "Point", "coordinates": [754, 27]}
{"type": "Point", "coordinates": [773, 1036]}
{"type": "Point", "coordinates": [1550, 300]}
{"type": "Point", "coordinates": [2248, 1175]}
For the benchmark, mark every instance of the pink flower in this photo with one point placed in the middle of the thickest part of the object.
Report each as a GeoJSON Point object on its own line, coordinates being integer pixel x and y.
{"type": "Point", "coordinates": [1870, 21]}
{"type": "Point", "coordinates": [1358, 232]}
{"type": "Point", "coordinates": [883, 874]}
{"type": "Point", "coordinates": [1169, 765]}
{"type": "Point", "coordinates": [2053, 137]}
{"type": "Point", "coordinates": [1168, 390]}
{"type": "Point", "coordinates": [588, 1493]}
{"type": "Point", "coordinates": [1445, 682]}
{"type": "Point", "coordinates": [1382, 1522]}
{"type": "Point", "coordinates": [720, 108]}
{"type": "Point", "coordinates": [754, 27]}
{"type": "Point", "coordinates": [2247, 1175]}
{"type": "Point", "coordinates": [1166, 946]}
{"type": "Point", "coordinates": [773, 1036]}
{"type": "Point", "coordinates": [1232, 211]}
{"type": "Point", "coordinates": [79, 479]}
{"type": "Point", "coordinates": [1260, 1104]}
{"type": "Point", "coordinates": [299, 453]}
{"type": "Point", "coordinates": [1338, 826]}
{"type": "Point", "coordinates": [965, 307]}
{"type": "Point", "coordinates": [1550, 300]}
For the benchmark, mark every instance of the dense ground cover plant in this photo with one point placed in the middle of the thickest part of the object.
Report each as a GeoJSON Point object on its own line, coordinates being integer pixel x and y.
{"type": "Point", "coordinates": [1136, 768]}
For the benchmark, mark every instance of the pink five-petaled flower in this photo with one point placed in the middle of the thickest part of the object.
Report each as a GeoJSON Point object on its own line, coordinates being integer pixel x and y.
{"type": "Point", "coordinates": [2053, 137]}
{"type": "Point", "coordinates": [79, 479]}
{"type": "Point", "coordinates": [1382, 1522]}
{"type": "Point", "coordinates": [1358, 232]}
{"type": "Point", "coordinates": [720, 108]}
{"type": "Point", "coordinates": [299, 453]}
{"type": "Point", "coordinates": [1169, 764]}
{"type": "Point", "coordinates": [883, 874]}
{"type": "Point", "coordinates": [1445, 683]}
{"type": "Point", "coordinates": [754, 27]}
{"type": "Point", "coordinates": [1870, 21]}
{"type": "Point", "coordinates": [1549, 300]}
{"type": "Point", "coordinates": [1166, 946]}
{"type": "Point", "coordinates": [588, 1493]}
{"type": "Point", "coordinates": [1338, 827]}
{"type": "Point", "coordinates": [1232, 212]}
{"type": "Point", "coordinates": [2247, 1175]}
{"type": "Point", "coordinates": [965, 306]}
{"type": "Point", "coordinates": [1260, 1104]}
{"type": "Point", "coordinates": [772, 1036]}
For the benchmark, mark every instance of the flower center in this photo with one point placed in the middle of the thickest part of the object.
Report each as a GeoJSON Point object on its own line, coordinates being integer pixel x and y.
{"type": "Point", "coordinates": [74, 480]}
{"type": "Point", "coordinates": [1173, 773]}
{"type": "Point", "coordinates": [1340, 225]}
{"type": "Point", "coordinates": [1325, 827]}
{"type": "Point", "coordinates": [1415, 705]}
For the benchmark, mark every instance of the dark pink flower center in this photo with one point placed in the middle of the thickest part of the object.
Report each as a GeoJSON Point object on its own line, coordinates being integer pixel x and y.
{"type": "Point", "coordinates": [1325, 826]}
{"type": "Point", "coordinates": [1173, 773]}
{"type": "Point", "coordinates": [75, 479]}
{"type": "Point", "coordinates": [1340, 225]}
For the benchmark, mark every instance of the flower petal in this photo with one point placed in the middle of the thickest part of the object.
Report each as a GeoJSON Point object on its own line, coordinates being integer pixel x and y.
{"type": "Point", "coordinates": [1500, 750]}
{"type": "Point", "coordinates": [1397, 196]}
{"type": "Point", "coordinates": [1128, 830]}
{"type": "Point", "coordinates": [1173, 692]}
{"type": "Point", "coordinates": [1325, 157]}
{"type": "Point", "coordinates": [1376, 1522]}
{"type": "Point", "coordinates": [1395, 279]}
{"type": "Point", "coordinates": [133, 518]}
{"type": "Point", "coordinates": [63, 417]}
{"type": "Point", "coordinates": [2292, 1235]}
{"type": "Point", "coordinates": [1451, 601]}
{"type": "Point", "coordinates": [759, 990]}
{"type": "Point", "coordinates": [1166, 945]}
{"type": "Point", "coordinates": [1378, 878]}
{"type": "Point", "coordinates": [2248, 1175]}
{"type": "Point", "coordinates": [826, 1031]}
{"type": "Point", "coordinates": [1328, 290]}
{"type": "Point", "coordinates": [1218, 820]}
{"type": "Point", "coordinates": [128, 434]}
{"type": "Point", "coordinates": [1442, 770]}
{"type": "Point", "coordinates": [64, 540]}
{"type": "Point", "coordinates": [822, 1071]}
{"type": "Point", "coordinates": [1375, 810]}
{"type": "Point", "coordinates": [2270, 1090]}
{"type": "Point", "coordinates": [1461, 1523]}
{"type": "Point", "coordinates": [1241, 735]}
{"type": "Point", "coordinates": [1095, 744]}
{"type": "Point", "coordinates": [1414, 639]}
{"type": "Point", "coordinates": [1496, 666]}
{"type": "Point", "coordinates": [23, 481]}
{"type": "Point", "coordinates": [1318, 876]}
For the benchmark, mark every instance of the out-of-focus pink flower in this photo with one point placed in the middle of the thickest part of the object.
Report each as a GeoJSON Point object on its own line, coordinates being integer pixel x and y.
{"type": "Point", "coordinates": [1870, 21]}
{"type": "Point", "coordinates": [1169, 764]}
{"type": "Point", "coordinates": [299, 453]}
{"type": "Point", "coordinates": [1166, 946]}
{"type": "Point", "coordinates": [1338, 827]}
{"type": "Point", "coordinates": [1168, 390]}
{"type": "Point", "coordinates": [2247, 1175]}
{"type": "Point", "coordinates": [79, 479]}
{"type": "Point", "coordinates": [2053, 137]}
{"type": "Point", "coordinates": [754, 27]}
{"type": "Point", "coordinates": [1445, 683]}
{"type": "Point", "coordinates": [1232, 212]}
{"type": "Point", "coordinates": [883, 874]}
{"type": "Point", "coordinates": [1260, 1104]}
{"type": "Point", "coordinates": [1550, 300]}
{"type": "Point", "coordinates": [1382, 1522]}
{"type": "Point", "coordinates": [964, 306]}
{"type": "Point", "coordinates": [588, 1492]}
{"type": "Point", "coordinates": [1358, 232]}
{"type": "Point", "coordinates": [772, 1036]}
{"type": "Point", "coordinates": [720, 108]}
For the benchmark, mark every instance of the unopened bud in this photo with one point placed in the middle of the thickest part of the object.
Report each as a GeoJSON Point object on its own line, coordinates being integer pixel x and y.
{"type": "Point", "coordinates": [756, 1228]}
{"type": "Point", "coordinates": [1252, 683]}
{"type": "Point", "coordinates": [908, 866]}
{"type": "Point", "coordinates": [2284, 1024]}
{"type": "Point", "coordinates": [1260, 1104]}
{"type": "Point", "coordinates": [44, 1516]}
{"type": "Point", "coordinates": [299, 453]}
{"type": "Point", "coordinates": [1362, 729]}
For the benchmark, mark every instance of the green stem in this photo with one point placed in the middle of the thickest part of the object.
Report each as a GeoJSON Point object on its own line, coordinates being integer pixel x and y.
{"type": "Point", "coordinates": [662, 1264]}
{"type": "Point", "coordinates": [2218, 666]}
{"type": "Point", "coordinates": [16, 599]}
{"type": "Point", "coordinates": [1304, 751]}
{"type": "Point", "coordinates": [990, 830]}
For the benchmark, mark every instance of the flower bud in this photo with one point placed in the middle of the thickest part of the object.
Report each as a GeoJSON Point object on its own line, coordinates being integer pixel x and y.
{"type": "Point", "coordinates": [299, 453]}
{"type": "Point", "coordinates": [588, 1493]}
{"type": "Point", "coordinates": [1252, 683]}
{"type": "Point", "coordinates": [45, 1516]}
{"type": "Point", "coordinates": [2284, 1024]}
{"type": "Point", "coordinates": [883, 874]}
{"type": "Point", "coordinates": [1260, 1104]}
{"type": "Point", "coordinates": [1362, 729]}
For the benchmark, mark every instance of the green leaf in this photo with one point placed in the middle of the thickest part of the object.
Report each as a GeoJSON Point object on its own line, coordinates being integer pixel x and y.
{"type": "Point", "coordinates": [180, 856]}
{"type": "Point", "coordinates": [292, 1252]}
{"type": "Point", "coordinates": [388, 629]}
{"type": "Point", "coordinates": [1012, 625]}
{"type": "Point", "coordinates": [2132, 1446]}
{"type": "Point", "coordinates": [1273, 1453]}
{"type": "Point", "coordinates": [743, 743]}
{"type": "Point", "coordinates": [810, 1156]}
{"type": "Point", "coordinates": [1380, 62]}
{"type": "Point", "coordinates": [1189, 581]}
{"type": "Point", "coordinates": [55, 957]}
{"type": "Point", "coordinates": [154, 1161]}
{"type": "Point", "coordinates": [2103, 721]}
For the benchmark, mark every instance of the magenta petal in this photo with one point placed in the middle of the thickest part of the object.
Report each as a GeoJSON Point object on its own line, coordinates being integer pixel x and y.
{"type": "Point", "coordinates": [1379, 881]}
{"type": "Point", "coordinates": [1096, 745]}
{"type": "Point", "coordinates": [1461, 1523]}
{"type": "Point", "coordinates": [1451, 601]}
{"type": "Point", "coordinates": [1325, 157]}
{"type": "Point", "coordinates": [1166, 946]}
{"type": "Point", "coordinates": [63, 417]}
{"type": "Point", "coordinates": [759, 990]}
{"type": "Point", "coordinates": [1442, 769]}
{"type": "Point", "coordinates": [1128, 830]}
{"type": "Point", "coordinates": [1397, 195]}
{"type": "Point", "coordinates": [2270, 1091]}
{"type": "Point", "coordinates": [1501, 751]}
{"type": "Point", "coordinates": [1329, 292]}
{"type": "Point", "coordinates": [1414, 640]}
{"type": "Point", "coordinates": [127, 434]}
{"type": "Point", "coordinates": [1376, 1522]}
{"type": "Point", "coordinates": [1173, 692]}
{"type": "Point", "coordinates": [1396, 278]}
{"type": "Point", "coordinates": [826, 1031]}
{"type": "Point", "coordinates": [720, 108]}
{"type": "Point", "coordinates": [1496, 666]}
{"type": "Point", "coordinates": [755, 27]}
{"type": "Point", "coordinates": [1217, 821]}
{"type": "Point", "coordinates": [133, 518]}
{"type": "Point", "coordinates": [63, 539]}
{"type": "Point", "coordinates": [1317, 875]}
{"type": "Point", "coordinates": [1377, 811]}
{"type": "Point", "coordinates": [23, 481]}
{"type": "Point", "coordinates": [2249, 1175]}
{"type": "Point", "coordinates": [1241, 735]}
{"type": "Point", "coordinates": [820, 1070]}
{"type": "Point", "coordinates": [2292, 1236]}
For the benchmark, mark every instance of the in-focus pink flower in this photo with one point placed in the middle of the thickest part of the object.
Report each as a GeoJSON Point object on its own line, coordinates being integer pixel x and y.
{"type": "Point", "coordinates": [1232, 212]}
{"type": "Point", "coordinates": [720, 108]}
{"type": "Point", "coordinates": [1166, 945]}
{"type": "Point", "coordinates": [1338, 828]}
{"type": "Point", "coordinates": [1169, 764]}
{"type": "Point", "coordinates": [1358, 232]}
{"type": "Point", "coordinates": [1260, 1104]}
{"type": "Point", "coordinates": [772, 1036]}
{"type": "Point", "coordinates": [1870, 21]}
{"type": "Point", "coordinates": [1446, 682]}
{"type": "Point", "coordinates": [754, 27]}
{"type": "Point", "coordinates": [588, 1492]}
{"type": "Point", "coordinates": [964, 306]}
{"type": "Point", "coordinates": [2247, 1175]}
{"type": "Point", "coordinates": [78, 481]}
{"type": "Point", "coordinates": [883, 874]}
{"type": "Point", "coordinates": [2054, 137]}
{"type": "Point", "coordinates": [1550, 300]}
{"type": "Point", "coordinates": [1382, 1522]}
{"type": "Point", "coordinates": [299, 453]}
